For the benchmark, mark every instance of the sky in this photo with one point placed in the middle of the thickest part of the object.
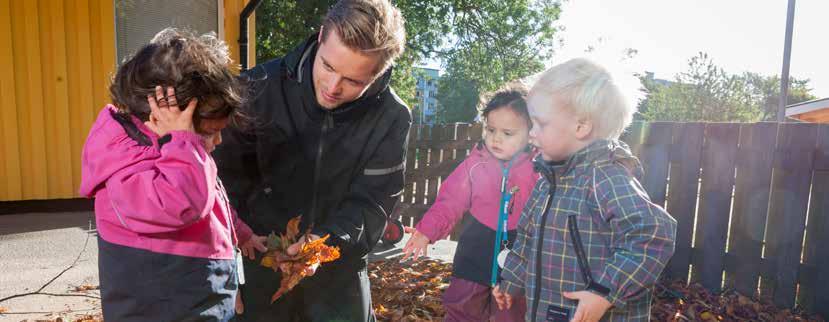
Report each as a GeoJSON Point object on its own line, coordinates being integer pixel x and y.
{"type": "Point", "coordinates": [738, 35]}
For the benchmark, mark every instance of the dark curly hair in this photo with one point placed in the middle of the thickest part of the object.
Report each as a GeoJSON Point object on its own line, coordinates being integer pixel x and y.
{"type": "Point", "coordinates": [512, 95]}
{"type": "Point", "coordinates": [196, 66]}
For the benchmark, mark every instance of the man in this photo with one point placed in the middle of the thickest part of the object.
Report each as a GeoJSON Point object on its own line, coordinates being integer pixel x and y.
{"type": "Point", "coordinates": [328, 142]}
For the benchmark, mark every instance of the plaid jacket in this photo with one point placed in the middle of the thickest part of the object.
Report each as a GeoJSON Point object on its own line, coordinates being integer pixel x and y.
{"type": "Point", "coordinates": [627, 239]}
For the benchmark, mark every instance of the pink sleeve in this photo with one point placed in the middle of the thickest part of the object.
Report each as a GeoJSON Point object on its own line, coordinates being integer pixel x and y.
{"type": "Point", "coordinates": [243, 231]}
{"type": "Point", "coordinates": [170, 193]}
{"type": "Point", "coordinates": [453, 200]}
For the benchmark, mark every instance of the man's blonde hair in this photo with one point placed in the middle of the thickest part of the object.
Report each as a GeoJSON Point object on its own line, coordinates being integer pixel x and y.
{"type": "Point", "coordinates": [588, 90]}
{"type": "Point", "coordinates": [373, 27]}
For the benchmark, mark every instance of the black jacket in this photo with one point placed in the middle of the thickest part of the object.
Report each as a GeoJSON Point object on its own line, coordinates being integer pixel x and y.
{"type": "Point", "coordinates": [342, 170]}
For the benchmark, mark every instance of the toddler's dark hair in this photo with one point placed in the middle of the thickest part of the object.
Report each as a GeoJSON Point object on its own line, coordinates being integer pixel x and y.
{"type": "Point", "coordinates": [512, 95]}
{"type": "Point", "coordinates": [197, 66]}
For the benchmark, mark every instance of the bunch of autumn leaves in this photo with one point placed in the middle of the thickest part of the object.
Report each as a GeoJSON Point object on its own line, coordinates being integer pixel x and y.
{"type": "Point", "coordinates": [299, 265]}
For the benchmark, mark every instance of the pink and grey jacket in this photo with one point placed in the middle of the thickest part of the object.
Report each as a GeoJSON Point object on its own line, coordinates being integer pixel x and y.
{"type": "Point", "coordinates": [157, 194]}
{"type": "Point", "coordinates": [475, 187]}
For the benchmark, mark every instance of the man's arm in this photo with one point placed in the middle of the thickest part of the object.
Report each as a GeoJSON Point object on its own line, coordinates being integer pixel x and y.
{"type": "Point", "coordinates": [358, 223]}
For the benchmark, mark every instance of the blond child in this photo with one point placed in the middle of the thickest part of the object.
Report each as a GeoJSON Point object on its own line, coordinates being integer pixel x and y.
{"type": "Point", "coordinates": [590, 243]}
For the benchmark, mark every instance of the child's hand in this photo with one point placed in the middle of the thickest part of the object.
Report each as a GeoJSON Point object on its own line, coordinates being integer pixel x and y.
{"type": "Point", "coordinates": [240, 307]}
{"type": "Point", "coordinates": [503, 299]}
{"type": "Point", "coordinates": [166, 116]}
{"type": "Point", "coordinates": [416, 246]}
{"type": "Point", "coordinates": [591, 306]}
{"type": "Point", "coordinates": [255, 242]}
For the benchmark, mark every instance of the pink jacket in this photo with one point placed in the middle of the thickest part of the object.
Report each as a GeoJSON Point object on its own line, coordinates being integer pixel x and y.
{"type": "Point", "coordinates": [475, 186]}
{"type": "Point", "coordinates": [165, 198]}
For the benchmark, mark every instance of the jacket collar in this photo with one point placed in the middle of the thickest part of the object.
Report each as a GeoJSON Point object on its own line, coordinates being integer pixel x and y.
{"type": "Point", "coordinates": [599, 151]}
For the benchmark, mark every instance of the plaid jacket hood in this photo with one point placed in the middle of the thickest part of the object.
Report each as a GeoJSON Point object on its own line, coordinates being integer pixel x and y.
{"type": "Point", "coordinates": [627, 239]}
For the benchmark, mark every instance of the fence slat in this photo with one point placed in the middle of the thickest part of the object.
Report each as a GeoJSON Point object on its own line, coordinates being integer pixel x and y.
{"type": "Point", "coordinates": [444, 134]}
{"type": "Point", "coordinates": [463, 136]}
{"type": "Point", "coordinates": [422, 165]}
{"type": "Point", "coordinates": [476, 132]}
{"type": "Point", "coordinates": [718, 164]}
{"type": "Point", "coordinates": [814, 294]}
{"type": "Point", "coordinates": [634, 136]}
{"type": "Point", "coordinates": [787, 212]}
{"type": "Point", "coordinates": [655, 155]}
{"type": "Point", "coordinates": [751, 199]}
{"type": "Point", "coordinates": [411, 156]}
{"type": "Point", "coordinates": [682, 192]}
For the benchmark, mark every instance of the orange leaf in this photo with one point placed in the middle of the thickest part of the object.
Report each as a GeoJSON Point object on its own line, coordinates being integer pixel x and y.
{"type": "Point", "coordinates": [293, 228]}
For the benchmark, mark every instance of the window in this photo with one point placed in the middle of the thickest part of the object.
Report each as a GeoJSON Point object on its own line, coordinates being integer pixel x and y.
{"type": "Point", "coordinates": [137, 21]}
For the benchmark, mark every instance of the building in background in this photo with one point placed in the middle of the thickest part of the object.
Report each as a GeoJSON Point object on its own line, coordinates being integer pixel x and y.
{"type": "Point", "coordinates": [814, 111]}
{"type": "Point", "coordinates": [57, 58]}
{"type": "Point", "coordinates": [658, 81]}
{"type": "Point", "coordinates": [425, 109]}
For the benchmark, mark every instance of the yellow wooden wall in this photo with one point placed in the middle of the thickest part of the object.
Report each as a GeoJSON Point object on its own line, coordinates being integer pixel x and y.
{"type": "Point", "coordinates": [56, 59]}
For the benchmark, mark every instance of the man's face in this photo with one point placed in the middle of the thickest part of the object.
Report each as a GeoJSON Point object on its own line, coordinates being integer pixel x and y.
{"type": "Point", "coordinates": [341, 75]}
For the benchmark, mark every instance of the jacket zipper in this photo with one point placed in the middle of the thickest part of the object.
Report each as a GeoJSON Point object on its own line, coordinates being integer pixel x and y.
{"type": "Point", "coordinates": [539, 243]}
{"type": "Point", "coordinates": [327, 124]}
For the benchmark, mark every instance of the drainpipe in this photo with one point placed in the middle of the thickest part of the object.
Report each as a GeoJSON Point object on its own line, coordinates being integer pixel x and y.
{"type": "Point", "coordinates": [243, 32]}
{"type": "Point", "coordinates": [787, 56]}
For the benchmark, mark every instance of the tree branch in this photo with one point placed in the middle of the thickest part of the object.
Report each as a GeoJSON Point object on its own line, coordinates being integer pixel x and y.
{"type": "Point", "coordinates": [75, 262]}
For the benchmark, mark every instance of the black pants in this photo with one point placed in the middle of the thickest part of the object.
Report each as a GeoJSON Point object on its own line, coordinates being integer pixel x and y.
{"type": "Point", "coordinates": [138, 286]}
{"type": "Point", "coordinates": [337, 292]}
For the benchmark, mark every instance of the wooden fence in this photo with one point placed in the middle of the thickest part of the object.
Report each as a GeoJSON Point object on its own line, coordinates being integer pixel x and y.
{"type": "Point", "coordinates": [751, 199]}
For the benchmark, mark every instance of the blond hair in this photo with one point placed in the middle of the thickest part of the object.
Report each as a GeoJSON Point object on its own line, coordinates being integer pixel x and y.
{"type": "Point", "coordinates": [373, 27]}
{"type": "Point", "coordinates": [589, 91]}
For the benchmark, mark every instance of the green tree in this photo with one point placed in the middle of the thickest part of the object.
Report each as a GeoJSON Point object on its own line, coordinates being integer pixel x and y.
{"type": "Point", "coordinates": [765, 92]}
{"type": "Point", "coordinates": [494, 42]}
{"type": "Point", "coordinates": [705, 92]}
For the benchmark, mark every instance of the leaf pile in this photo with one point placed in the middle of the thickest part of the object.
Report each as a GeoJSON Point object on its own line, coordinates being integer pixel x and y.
{"type": "Point", "coordinates": [675, 302]}
{"type": "Point", "coordinates": [409, 291]}
{"type": "Point", "coordinates": [295, 267]}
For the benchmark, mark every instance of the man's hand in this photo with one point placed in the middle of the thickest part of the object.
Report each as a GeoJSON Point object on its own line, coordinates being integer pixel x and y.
{"type": "Point", "coordinates": [297, 247]}
{"type": "Point", "coordinates": [255, 242]}
{"type": "Point", "coordinates": [591, 306]}
{"type": "Point", "coordinates": [503, 299]}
